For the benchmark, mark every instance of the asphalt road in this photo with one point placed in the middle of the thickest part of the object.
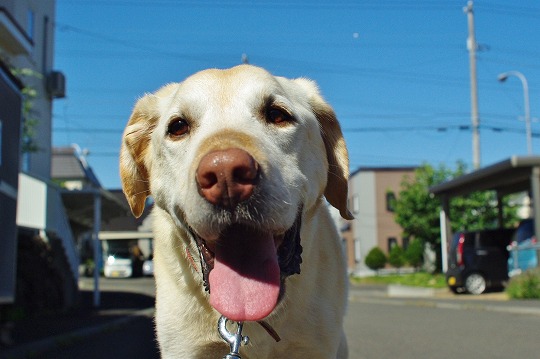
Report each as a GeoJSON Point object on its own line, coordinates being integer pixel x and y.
{"type": "Point", "coordinates": [377, 327]}
{"type": "Point", "coordinates": [133, 340]}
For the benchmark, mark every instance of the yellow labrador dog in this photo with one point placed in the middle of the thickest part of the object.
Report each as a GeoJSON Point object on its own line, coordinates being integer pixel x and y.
{"type": "Point", "coordinates": [239, 163]}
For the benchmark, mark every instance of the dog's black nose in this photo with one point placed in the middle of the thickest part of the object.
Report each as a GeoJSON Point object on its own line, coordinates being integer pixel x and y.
{"type": "Point", "coordinates": [227, 177]}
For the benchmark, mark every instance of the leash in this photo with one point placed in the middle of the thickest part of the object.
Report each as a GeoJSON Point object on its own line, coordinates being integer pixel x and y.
{"type": "Point", "coordinates": [235, 340]}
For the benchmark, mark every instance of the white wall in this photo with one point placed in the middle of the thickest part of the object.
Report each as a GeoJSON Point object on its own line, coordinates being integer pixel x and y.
{"type": "Point", "coordinates": [364, 208]}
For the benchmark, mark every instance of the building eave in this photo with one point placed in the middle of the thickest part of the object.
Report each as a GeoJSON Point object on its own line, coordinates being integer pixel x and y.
{"type": "Point", "coordinates": [13, 38]}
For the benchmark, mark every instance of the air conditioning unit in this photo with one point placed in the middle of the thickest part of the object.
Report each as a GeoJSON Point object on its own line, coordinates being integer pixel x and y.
{"type": "Point", "coordinates": [56, 84]}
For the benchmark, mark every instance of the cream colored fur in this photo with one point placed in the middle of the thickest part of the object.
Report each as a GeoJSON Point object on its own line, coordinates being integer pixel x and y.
{"type": "Point", "coordinates": [302, 163]}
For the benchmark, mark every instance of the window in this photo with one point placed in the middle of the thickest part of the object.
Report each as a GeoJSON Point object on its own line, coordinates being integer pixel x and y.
{"type": "Point", "coordinates": [392, 242]}
{"type": "Point", "coordinates": [405, 241]}
{"type": "Point", "coordinates": [390, 201]}
{"type": "Point", "coordinates": [30, 23]}
{"type": "Point", "coordinates": [355, 204]}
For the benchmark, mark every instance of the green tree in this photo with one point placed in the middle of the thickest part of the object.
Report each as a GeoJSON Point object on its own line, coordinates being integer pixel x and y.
{"type": "Point", "coordinates": [396, 257]}
{"type": "Point", "coordinates": [417, 211]}
{"type": "Point", "coordinates": [30, 122]}
{"type": "Point", "coordinates": [376, 259]}
{"type": "Point", "coordinates": [414, 254]}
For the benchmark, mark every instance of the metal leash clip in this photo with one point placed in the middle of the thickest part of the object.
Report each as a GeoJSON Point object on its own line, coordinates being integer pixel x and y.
{"type": "Point", "coordinates": [235, 340]}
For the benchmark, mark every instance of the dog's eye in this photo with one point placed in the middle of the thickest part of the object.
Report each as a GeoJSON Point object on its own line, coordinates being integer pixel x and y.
{"type": "Point", "coordinates": [178, 127]}
{"type": "Point", "coordinates": [278, 116]}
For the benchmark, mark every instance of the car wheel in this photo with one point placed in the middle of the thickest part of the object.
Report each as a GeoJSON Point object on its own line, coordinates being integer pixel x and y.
{"type": "Point", "coordinates": [475, 283]}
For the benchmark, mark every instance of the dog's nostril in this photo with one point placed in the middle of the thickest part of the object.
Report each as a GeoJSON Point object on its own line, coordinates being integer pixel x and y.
{"type": "Point", "coordinates": [246, 174]}
{"type": "Point", "coordinates": [207, 180]}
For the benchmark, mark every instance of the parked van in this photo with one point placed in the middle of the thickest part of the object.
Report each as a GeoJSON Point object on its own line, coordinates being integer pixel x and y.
{"type": "Point", "coordinates": [478, 260]}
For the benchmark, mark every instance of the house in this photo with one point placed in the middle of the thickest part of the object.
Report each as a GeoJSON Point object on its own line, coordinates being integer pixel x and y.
{"type": "Point", "coordinates": [371, 193]}
{"type": "Point", "coordinates": [38, 259]}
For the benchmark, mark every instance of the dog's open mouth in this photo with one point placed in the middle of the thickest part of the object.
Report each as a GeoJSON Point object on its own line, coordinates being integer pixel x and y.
{"type": "Point", "coordinates": [245, 269]}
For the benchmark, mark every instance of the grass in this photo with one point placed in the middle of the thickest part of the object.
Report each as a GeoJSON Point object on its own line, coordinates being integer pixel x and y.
{"type": "Point", "coordinates": [420, 279]}
{"type": "Point", "coordinates": [525, 285]}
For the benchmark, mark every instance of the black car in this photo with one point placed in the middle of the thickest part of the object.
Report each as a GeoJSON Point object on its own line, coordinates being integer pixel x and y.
{"type": "Point", "coordinates": [478, 260]}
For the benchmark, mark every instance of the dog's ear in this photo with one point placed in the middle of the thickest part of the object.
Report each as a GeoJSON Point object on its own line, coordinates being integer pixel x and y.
{"type": "Point", "coordinates": [336, 150]}
{"type": "Point", "coordinates": [338, 158]}
{"type": "Point", "coordinates": [135, 146]}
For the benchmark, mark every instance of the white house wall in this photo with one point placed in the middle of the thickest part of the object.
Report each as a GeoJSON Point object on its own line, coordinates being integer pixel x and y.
{"type": "Point", "coordinates": [364, 208]}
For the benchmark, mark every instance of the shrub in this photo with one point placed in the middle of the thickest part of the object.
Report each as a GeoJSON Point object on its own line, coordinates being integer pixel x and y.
{"type": "Point", "coordinates": [376, 259]}
{"type": "Point", "coordinates": [525, 285]}
{"type": "Point", "coordinates": [396, 258]}
{"type": "Point", "coordinates": [415, 253]}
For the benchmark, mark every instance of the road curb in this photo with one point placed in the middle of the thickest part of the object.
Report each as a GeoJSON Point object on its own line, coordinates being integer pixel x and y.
{"type": "Point", "coordinates": [403, 291]}
{"type": "Point", "coordinates": [441, 303]}
{"type": "Point", "coordinates": [32, 349]}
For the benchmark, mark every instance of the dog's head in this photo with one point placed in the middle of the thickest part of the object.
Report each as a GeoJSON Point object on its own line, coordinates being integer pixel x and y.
{"type": "Point", "coordinates": [233, 156]}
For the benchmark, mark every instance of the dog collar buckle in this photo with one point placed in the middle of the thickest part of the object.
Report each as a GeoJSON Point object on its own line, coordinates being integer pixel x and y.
{"type": "Point", "coordinates": [235, 340]}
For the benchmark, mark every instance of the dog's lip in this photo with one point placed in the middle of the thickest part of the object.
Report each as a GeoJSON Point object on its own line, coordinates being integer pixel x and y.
{"type": "Point", "coordinates": [210, 244]}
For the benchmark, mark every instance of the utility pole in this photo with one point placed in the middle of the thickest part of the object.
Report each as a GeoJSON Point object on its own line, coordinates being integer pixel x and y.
{"type": "Point", "coordinates": [472, 46]}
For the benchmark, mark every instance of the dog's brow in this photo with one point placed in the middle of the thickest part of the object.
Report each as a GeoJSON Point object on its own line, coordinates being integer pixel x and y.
{"type": "Point", "coordinates": [265, 103]}
{"type": "Point", "coordinates": [267, 100]}
{"type": "Point", "coordinates": [185, 112]}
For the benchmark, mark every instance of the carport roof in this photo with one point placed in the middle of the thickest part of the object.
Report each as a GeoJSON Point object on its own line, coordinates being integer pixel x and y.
{"type": "Point", "coordinates": [79, 205]}
{"type": "Point", "coordinates": [508, 176]}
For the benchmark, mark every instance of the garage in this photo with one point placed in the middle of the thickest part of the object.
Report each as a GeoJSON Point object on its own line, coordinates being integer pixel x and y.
{"type": "Point", "coordinates": [514, 175]}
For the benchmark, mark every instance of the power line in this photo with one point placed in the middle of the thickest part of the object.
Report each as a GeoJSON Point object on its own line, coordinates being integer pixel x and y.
{"type": "Point", "coordinates": [395, 75]}
{"type": "Point", "coordinates": [365, 5]}
{"type": "Point", "coordinates": [380, 5]}
{"type": "Point", "coordinates": [127, 43]}
{"type": "Point", "coordinates": [514, 10]}
{"type": "Point", "coordinates": [89, 130]}
{"type": "Point", "coordinates": [435, 128]}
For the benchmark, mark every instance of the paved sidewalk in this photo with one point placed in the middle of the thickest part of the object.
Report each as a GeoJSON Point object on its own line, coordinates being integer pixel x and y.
{"type": "Point", "coordinates": [43, 333]}
{"type": "Point", "coordinates": [442, 298]}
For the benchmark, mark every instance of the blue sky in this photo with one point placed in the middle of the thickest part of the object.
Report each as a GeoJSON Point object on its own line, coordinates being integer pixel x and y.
{"type": "Point", "coordinates": [396, 72]}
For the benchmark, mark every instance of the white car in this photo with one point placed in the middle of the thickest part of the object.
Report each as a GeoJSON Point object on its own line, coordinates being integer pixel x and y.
{"type": "Point", "coordinates": [118, 267]}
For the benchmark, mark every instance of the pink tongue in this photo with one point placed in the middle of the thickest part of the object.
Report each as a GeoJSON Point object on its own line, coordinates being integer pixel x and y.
{"type": "Point", "coordinates": [245, 283]}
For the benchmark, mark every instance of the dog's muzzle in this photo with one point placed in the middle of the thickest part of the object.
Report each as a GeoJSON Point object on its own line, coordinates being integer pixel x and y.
{"type": "Point", "coordinates": [244, 269]}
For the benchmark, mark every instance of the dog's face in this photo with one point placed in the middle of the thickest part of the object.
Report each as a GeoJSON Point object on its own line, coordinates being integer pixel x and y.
{"type": "Point", "coordinates": [234, 156]}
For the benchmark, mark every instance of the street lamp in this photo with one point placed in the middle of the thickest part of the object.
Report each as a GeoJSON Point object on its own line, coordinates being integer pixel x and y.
{"type": "Point", "coordinates": [502, 77]}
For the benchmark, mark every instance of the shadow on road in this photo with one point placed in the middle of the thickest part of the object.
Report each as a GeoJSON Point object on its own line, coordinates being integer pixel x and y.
{"type": "Point", "coordinates": [114, 305]}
